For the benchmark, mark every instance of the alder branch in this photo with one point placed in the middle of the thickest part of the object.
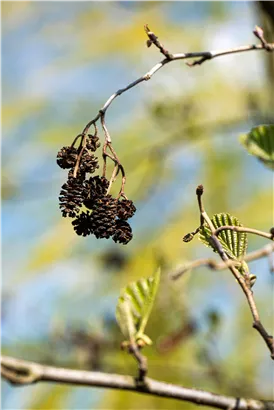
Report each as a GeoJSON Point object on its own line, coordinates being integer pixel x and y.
{"type": "Point", "coordinates": [214, 265]}
{"type": "Point", "coordinates": [245, 285]}
{"type": "Point", "coordinates": [153, 39]}
{"type": "Point", "coordinates": [169, 57]}
{"type": "Point", "coordinates": [22, 372]}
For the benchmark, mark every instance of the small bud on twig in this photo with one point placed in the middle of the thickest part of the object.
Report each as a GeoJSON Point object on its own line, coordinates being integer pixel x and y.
{"type": "Point", "coordinates": [200, 190]}
{"type": "Point", "coordinates": [259, 33]}
{"type": "Point", "coordinates": [188, 237]}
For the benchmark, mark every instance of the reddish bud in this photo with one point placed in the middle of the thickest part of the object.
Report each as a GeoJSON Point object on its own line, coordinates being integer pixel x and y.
{"type": "Point", "coordinates": [199, 190]}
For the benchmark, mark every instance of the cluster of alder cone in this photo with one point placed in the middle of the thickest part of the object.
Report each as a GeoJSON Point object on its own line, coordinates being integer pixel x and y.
{"type": "Point", "coordinates": [86, 198]}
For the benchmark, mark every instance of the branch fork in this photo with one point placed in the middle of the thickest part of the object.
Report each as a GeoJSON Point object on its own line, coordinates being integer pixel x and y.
{"type": "Point", "coordinates": [214, 265]}
{"type": "Point", "coordinates": [168, 57]}
{"type": "Point", "coordinates": [245, 285]}
{"type": "Point", "coordinates": [23, 372]}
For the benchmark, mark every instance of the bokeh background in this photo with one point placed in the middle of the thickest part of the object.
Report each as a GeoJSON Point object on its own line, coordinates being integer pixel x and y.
{"type": "Point", "coordinates": [60, 63]}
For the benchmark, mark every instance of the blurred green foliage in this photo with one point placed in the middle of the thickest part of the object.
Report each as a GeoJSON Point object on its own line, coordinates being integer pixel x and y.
{"type": "Point", "coordinates": [260, 143]}
{"type": "Point", "coordinates": [171, 134]}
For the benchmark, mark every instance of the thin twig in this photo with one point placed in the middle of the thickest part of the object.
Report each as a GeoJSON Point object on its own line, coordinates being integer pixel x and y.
{"type": "Point", "coordinates": [83, 147]}
{"type": "Point", "coordinates": [214, 241]}
{"type": "Point", "coordinates": [75, 139]}
{"type": "Point", "coordinates": [153, 39]}
{"type": "Point", "coordinates": [83, 144]}
{"type": "Point", "coordinates": [258, 32]}
{"type": "Point", "coordinates": [122, 190]}
{"type": "Point", "coordinates": [141, 360]}
{"type": "Point", "coordinates": [12, 370]}
{"type": "Point", "coordinates": [90, 123]}
{"type": "Point", "coordinates": [118, 166]}
{"type": "Point", "coordinates": [214, 265]}
{"type": "Point", "coordinates": [201, 55]}
{"type": "Point", "coordinates": [107, 136]}
{"type": "Point", "coordinates": [105, 155]}
{"type": "Point", "coordinates": [113, 176]}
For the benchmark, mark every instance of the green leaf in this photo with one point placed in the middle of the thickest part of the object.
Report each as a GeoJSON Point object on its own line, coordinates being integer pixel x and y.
{"type": "Point", "coordinates": [134, 307]}
{"type": "Point", "coordinates": [233, 243]}
{"type": "Point", "coordinates": [260, 143]}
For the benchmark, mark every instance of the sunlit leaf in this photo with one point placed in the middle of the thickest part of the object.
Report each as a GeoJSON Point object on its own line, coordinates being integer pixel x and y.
{"type": "Point", "coordinates": [260, 143]}
{"type": "Point", "coordinates": [134, 307]}
{"type": "Point", "coordinates": [125, 316]}
{"type": "Point", "coordinates": [233, 243]}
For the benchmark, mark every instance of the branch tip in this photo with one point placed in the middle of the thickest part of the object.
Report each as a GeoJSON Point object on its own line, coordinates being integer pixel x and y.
{"type": "Point", "coordinates": [146, 28]}
{"type": "Point", "coordinates": [246, 287]}
{"type": "Point", "coordinates": [259, 33]}
{"type": "Point", "coordinates": [188, 237]}
{"type": "Point", "coordinates": [199, 190]}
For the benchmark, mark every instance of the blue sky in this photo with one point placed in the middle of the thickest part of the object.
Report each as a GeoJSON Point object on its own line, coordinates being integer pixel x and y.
{"type": "Point", "coordinates": [33, 71]}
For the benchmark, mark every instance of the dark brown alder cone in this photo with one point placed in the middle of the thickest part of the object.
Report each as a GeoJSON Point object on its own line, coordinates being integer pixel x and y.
{"type": "Point", "coordinates": [92, 142]}
{"type": "Point", "coordinates": [83, 224]}
{"type": "Point", "coordinates": [125, 209]}
{"type": "Point", "coordinates": [123, 232]}
{"type": "Point", "coordinates": [81, 175]}
{"type": "Point", "coordinates": [97, 188]}
{"type": "Point", "coordinates": [88, 163]}
{"type": "Point", "coordinates": [71, 197]}
{"type": "Point", "coordinates": [66, 157]}
{"type": "Point", "coordinates": [103, 217]}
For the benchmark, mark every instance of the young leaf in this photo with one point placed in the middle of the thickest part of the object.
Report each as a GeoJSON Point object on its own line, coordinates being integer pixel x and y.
{"type": "Point", "coordinates": [260, 143]}
{"type": "Point", "coordinates": [134, 307]}
{"type": "Point", "coordinates": [233, 243]}
{"type": "Point", "coordinates": [125, 318]}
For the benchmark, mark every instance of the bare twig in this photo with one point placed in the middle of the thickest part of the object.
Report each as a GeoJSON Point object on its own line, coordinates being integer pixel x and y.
{"type": "Point", "coordinates": [153, 39]}
{"type": "Point", "coordinates": [107, 136]}
{"type": "Point", "coordinates": [201, 55]}
{"type": "Point", "coordinates": [122, 190]}
{"type": "Point", "coordinates": [134, 349]}
{"type": "Point", "coordinates": [258, 32]}
{"type": "Point", "coordinates": [208, 55]}
{"type": "Point", "coordinates": [240, 278]}
{"type": "Point", "coordinates": [76, 138]}
{"type": "Point", "coordinates": [113, 177]}
{"type": "Point", "coordinates": [113, 156]}
{"type": "Point", "coordinates": [214, 265]}
{"type": "Point", "coordinates": [76, 168]}
{"type": "Point", "coordinates": [11, 369]}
